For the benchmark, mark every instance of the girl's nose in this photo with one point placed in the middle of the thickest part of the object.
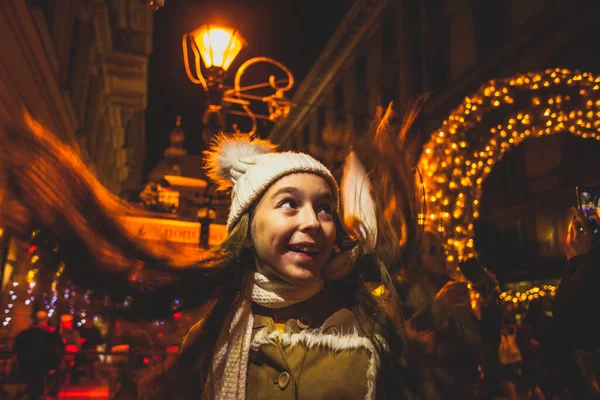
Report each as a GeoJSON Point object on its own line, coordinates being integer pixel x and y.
{"type": "Point", "coordinates": [309, 219]}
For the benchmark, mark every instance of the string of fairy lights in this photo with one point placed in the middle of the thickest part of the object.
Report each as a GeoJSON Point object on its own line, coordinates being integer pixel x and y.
{"type": "Point", "coordinates": [50, 305]}
{"type": "Point", "coordinates": [49, 299]}
{"type": "Point", "coordinates": [531, 294]}
{"type": "Point", "coordinates": [500, 115]}
{"type": "Point", "coordinates": [28, 299]}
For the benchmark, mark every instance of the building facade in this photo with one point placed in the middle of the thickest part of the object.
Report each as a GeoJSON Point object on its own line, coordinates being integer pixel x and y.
{"type": "Point", "coordinates": [80, 68]}
{"type": "Point", "coordinates": [395, 50]}
{"type": "Point", "coordinates": [179, 189]}
{"type": "Point", "coordinates": [362, 67]}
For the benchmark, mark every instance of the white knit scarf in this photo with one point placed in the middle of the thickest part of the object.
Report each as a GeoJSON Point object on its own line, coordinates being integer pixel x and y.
{"type": "Point", "coordinates": [227, 378]}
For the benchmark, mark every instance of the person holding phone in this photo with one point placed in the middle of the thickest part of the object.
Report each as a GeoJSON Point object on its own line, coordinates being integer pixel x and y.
{"type": "Point", "coordinates": [588, 201]}
{"type": "Point", "coordinates": [443, 323]}
{"type": "Point", "coordinates": [575, 304]}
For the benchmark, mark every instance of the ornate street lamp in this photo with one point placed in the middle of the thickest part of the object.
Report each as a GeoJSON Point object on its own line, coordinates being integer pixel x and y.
{"type": "Point", "coordinates": [217, 47]}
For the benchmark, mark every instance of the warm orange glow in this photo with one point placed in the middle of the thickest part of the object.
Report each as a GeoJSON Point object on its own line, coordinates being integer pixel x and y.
{"type": "Point", "coordinates": [85, 392]}
{"type": "Point", "coordinates": [218, 45]}
{"type": "Point", "coordinates": [455, 166]}
{"type": "Point", "coordinates": [36, 128]}
{"type": "Point", "coordinates": [534, 292]}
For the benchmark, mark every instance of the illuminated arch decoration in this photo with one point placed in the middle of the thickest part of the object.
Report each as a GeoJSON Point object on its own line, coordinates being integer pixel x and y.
{"type": "Point", "coordinates": [500, 115]}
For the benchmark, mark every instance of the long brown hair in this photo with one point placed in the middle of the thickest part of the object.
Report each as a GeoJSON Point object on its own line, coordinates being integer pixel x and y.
{"type": "Point", "coordinates": [44, 183]}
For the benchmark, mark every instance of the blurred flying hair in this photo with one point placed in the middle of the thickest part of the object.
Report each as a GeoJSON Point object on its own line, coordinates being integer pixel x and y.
{"type": "Point", "coordinates": [45, 184]}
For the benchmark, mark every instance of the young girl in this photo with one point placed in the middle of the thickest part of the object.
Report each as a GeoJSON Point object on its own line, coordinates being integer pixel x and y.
{"type": "Point", "coordinates": [297, 324]}
{"type": "Point", "coordinates": [296, 304]}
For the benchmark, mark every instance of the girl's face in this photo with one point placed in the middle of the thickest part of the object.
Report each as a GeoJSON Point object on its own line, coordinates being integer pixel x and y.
{"type": "Point", "coordinates": [293, 231]}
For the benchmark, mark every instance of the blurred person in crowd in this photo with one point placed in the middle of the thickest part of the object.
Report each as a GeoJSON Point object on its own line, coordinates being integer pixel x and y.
{"type": "Point", "coordinates": [575, 304]}
{"type": "Point", "coordinates": [531, 334]}
{"type": "Point", "coordinates": [69, 335]}
{"type": "Point", "coordinates": [537, 324]}
{"type": "Point", "coordinates": [488, 309]}
{"type": "Point", "coordinates": [487, 303]}
{"type": "Point", "coordinates": [91, 338]}
{"type": "Point", "coordinates": [38, 352]}
{"type": "Point", "coordinates": [441, 319]}
{"type": "Point", "coordinates": [72, 344]}
{"type": "Point", "coordinates": [43, 321]}
{"type": "Point", "coordinates": [510, 357]}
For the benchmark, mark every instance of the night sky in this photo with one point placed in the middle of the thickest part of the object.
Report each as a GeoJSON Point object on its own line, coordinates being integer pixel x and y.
{"type": "Point", "coordinates": [292, 32]}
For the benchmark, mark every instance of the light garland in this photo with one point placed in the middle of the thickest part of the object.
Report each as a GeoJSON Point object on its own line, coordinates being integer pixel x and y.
{"type": "Point", "coordinates": [500, 115]}
{"type": "Point", "coordinates": [30, 297]}
{"type": "Point", "coordinates": [50, 305]}
{"type": "Point", "coordinates": [12, 297]}
{"type": "Point", "coordinates": [531, 294]}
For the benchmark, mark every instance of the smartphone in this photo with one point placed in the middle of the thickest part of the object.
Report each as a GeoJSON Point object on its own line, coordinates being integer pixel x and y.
{"type": "Point", "coordinates": [588, 201]}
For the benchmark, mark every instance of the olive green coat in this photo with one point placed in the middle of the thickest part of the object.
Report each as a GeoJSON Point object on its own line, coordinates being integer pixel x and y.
{"type": "Point", "coordinates": [332, 360]}
{"type": "Point", "coordinates": [324, 352]}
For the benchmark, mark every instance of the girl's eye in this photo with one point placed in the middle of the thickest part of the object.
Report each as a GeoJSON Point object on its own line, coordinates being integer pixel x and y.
{"type": "Point", "coordinates": [327, 209]}
{"type": "Point", "coordinates": [287, 203]}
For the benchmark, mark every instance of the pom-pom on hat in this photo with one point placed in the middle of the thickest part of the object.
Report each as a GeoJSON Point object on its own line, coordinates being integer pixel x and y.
{"type": "Point", "coordinates": [249, 165]}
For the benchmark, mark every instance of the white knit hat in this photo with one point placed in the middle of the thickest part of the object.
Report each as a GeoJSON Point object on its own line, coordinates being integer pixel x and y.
{"type": "Point", "coordinates": [250, 165]}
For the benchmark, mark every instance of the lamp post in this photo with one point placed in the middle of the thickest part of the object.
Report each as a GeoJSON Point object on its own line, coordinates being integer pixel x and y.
{"type": "Point", "coordinates": [217, 47]}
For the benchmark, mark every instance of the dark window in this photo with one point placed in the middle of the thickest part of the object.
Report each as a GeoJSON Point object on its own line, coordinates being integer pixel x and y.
{"type": "Point", "coordinates": [47, 7]}
{"type": "Point", "coordinates": [127, 130]}
{"type": "Point", "coordinates": [502, 245]}
{"type": "Point", "coordinates": [338, 99]}
{"type": "Point", "coordinates": [437, 51]}
{"type": "Point", "coordinates": [321, 120]}
{"type": "Point", "coordinates": [361, 111]}
{"type": "Point", "coordinates": [338, 95]}
{"type": "Point", "coordinates": [361, 124]}
{"type": "Point", "coordinates": [388, 95]}
{"type": "Point", "coordinates": [72, 63]}
{"type": "Point", "coordinates": [361, 116]}
{"type": "Point", "coordinates": [437, 71]}
{"type": "Point", "coordinates": [506, 185]}
{"type": "Point", "coordinates": [510, 174]}
{"type": "Point", "coordinates": [364, 101]}
{"type": "Point", "coordinates": [389, 87]}
{"type": "Point", "coordinates": [388, 37]}
{"type": "Point", "coordinates": [306, 134]}
{"type": "Point", "coordinates": [433, 7]}
{"type": "Point", "coordinates": [361, 71]}
{"type": "Point", "coordinates": [492, 25]}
